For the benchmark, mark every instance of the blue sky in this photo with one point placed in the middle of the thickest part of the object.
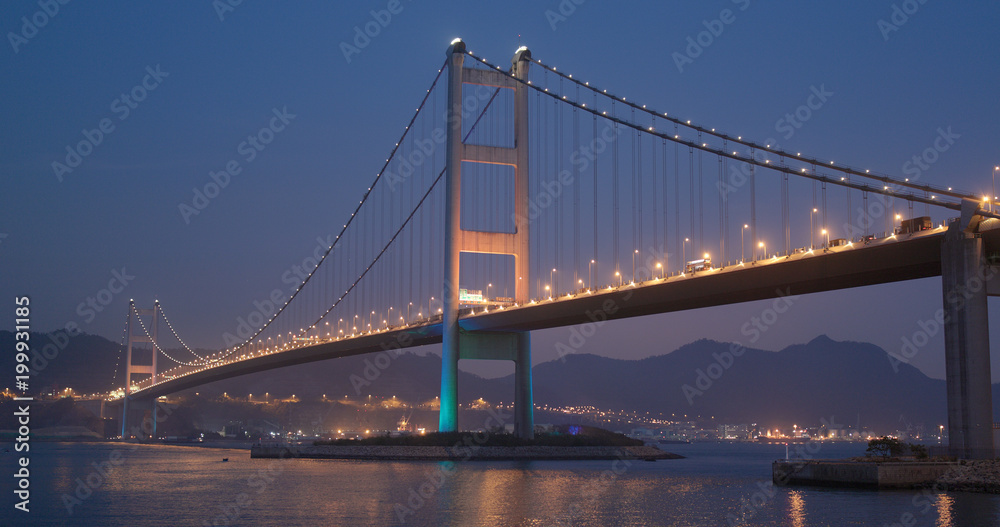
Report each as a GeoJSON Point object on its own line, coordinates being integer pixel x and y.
{"type": "Point", "coordinates": [222, 77]}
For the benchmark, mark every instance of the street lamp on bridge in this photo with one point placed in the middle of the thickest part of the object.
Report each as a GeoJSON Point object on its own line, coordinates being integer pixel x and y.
{"type": "Point", "coordinates": [994, 187]}
{"type": "Point", "coordinates": [742, 244]}
{"type": "Point", "coordinates": [812, 244]}
{"type": "Point", "coordinates": [590, 274]}
{"type": "Point", "coordinates": [633, 264]}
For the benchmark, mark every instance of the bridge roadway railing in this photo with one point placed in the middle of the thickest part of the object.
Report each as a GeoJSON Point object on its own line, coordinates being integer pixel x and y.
{"type": "Point", "coordinates": [892, 259]}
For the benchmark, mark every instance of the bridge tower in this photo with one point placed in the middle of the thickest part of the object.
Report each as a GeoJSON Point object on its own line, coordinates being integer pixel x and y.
{"type": "Point", "coordinates": [456, 343]}
{"type": "Point", "coordinates": [966, 282]}
{"type": "Point", "coordinates": [141, 369]}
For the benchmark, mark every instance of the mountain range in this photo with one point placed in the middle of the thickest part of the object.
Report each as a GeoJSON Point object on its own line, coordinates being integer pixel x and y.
{"type": "Point", "coordinates": [852, 383]}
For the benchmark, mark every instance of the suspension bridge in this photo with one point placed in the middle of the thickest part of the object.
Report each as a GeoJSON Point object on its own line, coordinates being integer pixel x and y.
{"type": "Point", "coordinates": [521, 197]}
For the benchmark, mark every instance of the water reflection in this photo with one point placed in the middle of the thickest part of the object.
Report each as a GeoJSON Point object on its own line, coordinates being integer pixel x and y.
{"type": "Point", "coordinates": [796, 508]}
{"type": "Point", "coordinates": [944, 505]}
{"type": "Point", "coordinates": [189, 486]}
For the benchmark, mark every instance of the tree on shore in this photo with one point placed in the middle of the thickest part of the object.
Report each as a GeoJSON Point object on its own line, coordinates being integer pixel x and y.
{"type": "Point", "coordinates": [887, 447]}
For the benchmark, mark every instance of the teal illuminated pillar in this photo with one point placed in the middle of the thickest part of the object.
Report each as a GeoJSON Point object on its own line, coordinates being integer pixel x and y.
{"type": "Point", "coordinates": [448, 418]}
{"type": "Point", "coordinates": [524, 403]}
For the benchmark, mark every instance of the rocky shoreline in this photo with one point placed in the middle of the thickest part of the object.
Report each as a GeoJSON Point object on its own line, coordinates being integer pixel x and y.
{"type": "Point", "coordinates": [972, 476]}
{"type": "Point", "coordinates": [459, 452]}
{"type": "Point", "coordinates": [941, 475]}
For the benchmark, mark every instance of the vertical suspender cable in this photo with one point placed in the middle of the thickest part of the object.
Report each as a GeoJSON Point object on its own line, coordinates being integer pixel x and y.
{"type": "Point", "coordinates": [614, 192]}
{"type": "Point", "coordinates": [753, 205]}
{"type": "Point", "coordinates": [594, 139]}
{"type": "Point", "coordinates": [701, 198]}
{"type": "Point", "coordinates": [576, 196]}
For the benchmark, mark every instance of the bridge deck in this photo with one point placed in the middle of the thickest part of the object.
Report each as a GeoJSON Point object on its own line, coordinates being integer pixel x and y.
{"type": "Point", "coordinates": [893, 259]}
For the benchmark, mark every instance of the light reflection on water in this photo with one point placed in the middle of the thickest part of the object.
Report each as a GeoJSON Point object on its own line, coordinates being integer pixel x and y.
{"type": "Point", "coordinates": [171, 485]}
{"type": "Point", "coordinates": [796, 508]}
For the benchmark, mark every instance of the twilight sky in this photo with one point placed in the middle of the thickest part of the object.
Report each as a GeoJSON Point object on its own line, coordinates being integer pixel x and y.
{"type": "Point", "coordinates": [211, 75]}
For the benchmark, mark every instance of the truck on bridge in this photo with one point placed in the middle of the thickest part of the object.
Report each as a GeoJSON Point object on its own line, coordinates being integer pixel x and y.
{"type": "Point", "coordinates": [698, 265]}
{"type": "Point", "coordinates": [922, 223]}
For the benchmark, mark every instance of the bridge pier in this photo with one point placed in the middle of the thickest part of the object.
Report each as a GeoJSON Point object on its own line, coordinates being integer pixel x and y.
{"type": "Point", "coordinates": [964, 277]}
{"type": "Point", "coordinates": [524, 401]}
{"type": "Point", "coordinates": [142, 411]}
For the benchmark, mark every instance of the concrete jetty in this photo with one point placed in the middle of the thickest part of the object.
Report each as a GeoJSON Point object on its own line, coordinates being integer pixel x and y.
{"type": "Point", "coordinates": [865, 474]}
{"type": "Point", "coordinates": [458, 452]}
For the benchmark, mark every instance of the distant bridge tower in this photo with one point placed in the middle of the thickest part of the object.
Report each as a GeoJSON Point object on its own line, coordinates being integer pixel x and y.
{"type": "Point", "coordinates": [139, 369]}
{"type": "Point", "coordinates": [456, 343]}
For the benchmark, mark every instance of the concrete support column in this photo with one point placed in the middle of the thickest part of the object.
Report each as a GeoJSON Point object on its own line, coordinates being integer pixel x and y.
{"type": "Point", "coordinates": [524, 403]}
{"type": "Point", "coordinates": [128, 368]}
{"type": "Point", "coordinates": [125, 415]}
{"type": "Point", "coordinates": [448, 416]}
{"type": "Point", "coordinates": [967, 348]}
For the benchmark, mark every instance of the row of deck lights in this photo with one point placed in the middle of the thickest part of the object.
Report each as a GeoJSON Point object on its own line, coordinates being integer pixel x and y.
{"type": "Point", "coordinates": [165, 376]}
